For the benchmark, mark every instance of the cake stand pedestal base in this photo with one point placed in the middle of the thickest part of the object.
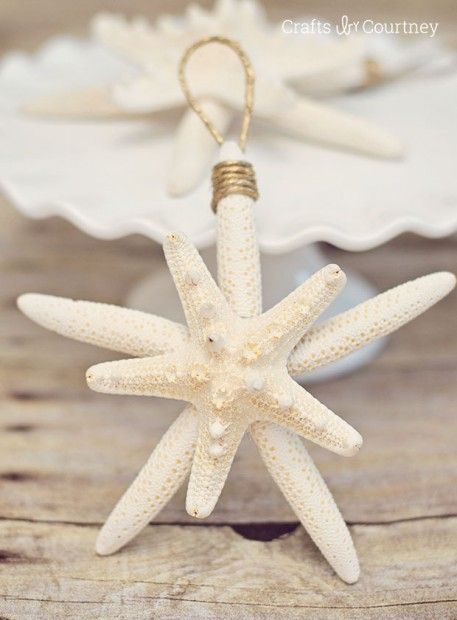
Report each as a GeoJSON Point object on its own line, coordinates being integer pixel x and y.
{"type": "Point", "coordinates": [280, 275]}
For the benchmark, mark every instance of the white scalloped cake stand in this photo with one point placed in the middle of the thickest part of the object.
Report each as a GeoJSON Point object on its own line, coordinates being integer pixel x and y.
{"type": "Point", "coordinates": [108, 178]}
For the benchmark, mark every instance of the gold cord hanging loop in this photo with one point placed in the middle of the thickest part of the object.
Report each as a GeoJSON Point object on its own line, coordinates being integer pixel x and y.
{"type": "Point", "coordinates": [249, 88]}
{"type": "Point", "coordinates": [234, 176]}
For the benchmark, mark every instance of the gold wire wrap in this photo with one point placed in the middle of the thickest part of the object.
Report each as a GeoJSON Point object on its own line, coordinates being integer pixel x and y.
{"type": "Point", "coordinates": [248, 93]}
{"type": "Point", "coordinates": [233, 177]}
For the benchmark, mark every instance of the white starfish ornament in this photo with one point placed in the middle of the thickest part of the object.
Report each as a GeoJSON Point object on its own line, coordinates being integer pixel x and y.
{"type": "Point", "coordinates": [233, 366]}
{"type": "Point", "coordinates": [290, 67]}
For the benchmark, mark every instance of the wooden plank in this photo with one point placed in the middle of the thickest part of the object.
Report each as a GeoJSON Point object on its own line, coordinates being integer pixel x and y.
{"type": "Point", "coordinates": [409, 571]}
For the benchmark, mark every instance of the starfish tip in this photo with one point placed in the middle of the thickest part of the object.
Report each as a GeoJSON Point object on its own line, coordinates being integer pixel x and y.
{"type": "Point", "coordinates": [23, 300]}
{"type": "Point", "coordinates": [391, 148]}
{"type": "Point", "coordinates": [29, 303]}
{"type": "Point", "coordinates": [176, 187]}
{"type": "Point", "coordinates": [95, 378]}
{"type": "Point", "coordinates": [448, 279]}
{"type": "Point", "coordinates": [174, 238]}
{"type": "Point", "coordinates": [353, 445]}
{"type": "Point", "coordinates": [199, 511]}
{"type": "Point", "coordinates": [104, 546]}
{"type": "Point", "coordinates": [350, 574]}
{"type": "Point", "coordinates": [230, 150]}
{"type": "Point", "coordinates": [334, 274]}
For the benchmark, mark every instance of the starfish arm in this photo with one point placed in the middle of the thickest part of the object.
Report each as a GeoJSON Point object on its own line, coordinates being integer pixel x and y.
{"type": "Point", "coordinates": [238, 255]}
{"type": "Point", "coordinates": [92, 103]}
{"type": "Point", "coordinates": [195, 148]}
{"type": "Point", "coordinates": [304, 118]}
{"type": "Point", "coordinates": [289, 405]}
{"type": "Point", "coordinates": [132, 40]}
{"type": "Point", "coordinates": [296, 475]}
{"type": "Point", "coordinates": [214, 454]}
{"type": "Point", "coordinates": [278, 330]}
{"type": "Point", "coordinates": [119, 329]}
{"type": "Point", "coordinates": [368, 321]}
{"type": "Point", "coordinates": [154, 486]}
{"type": "Point", "coordinates": [164, 375]}
{"type": "Point", "coordinates": [207, 312]}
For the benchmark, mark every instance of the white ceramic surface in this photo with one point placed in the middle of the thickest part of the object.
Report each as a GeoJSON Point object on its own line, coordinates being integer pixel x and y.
{"type": "Point", "coordinates": [108, 177]}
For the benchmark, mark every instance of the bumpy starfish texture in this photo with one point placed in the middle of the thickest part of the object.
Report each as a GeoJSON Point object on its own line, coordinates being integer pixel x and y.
{"type": "Point", "coordinates": [234, 367]}
{"type": "Point", "coordinates": [233, 370]}
{"type": "Point", "coordinates": [289, 71]}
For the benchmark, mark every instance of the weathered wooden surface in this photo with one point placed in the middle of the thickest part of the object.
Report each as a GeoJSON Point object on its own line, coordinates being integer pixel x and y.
{"type": "Point", "coordinates": [208, 572]}
{"type": "Point", "coordinates": [66, 454]}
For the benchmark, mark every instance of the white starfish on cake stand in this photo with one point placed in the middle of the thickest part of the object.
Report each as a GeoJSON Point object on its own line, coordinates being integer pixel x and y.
{"type": "Point", "coordinates": [290, 70]}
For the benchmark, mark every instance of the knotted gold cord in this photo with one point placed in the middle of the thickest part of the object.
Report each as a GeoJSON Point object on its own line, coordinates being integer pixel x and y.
{"type": "Point", "coordinates": [229, 177]}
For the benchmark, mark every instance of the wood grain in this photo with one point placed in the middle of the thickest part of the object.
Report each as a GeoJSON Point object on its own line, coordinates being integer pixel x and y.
{"type": "Point", "coordinates": [409, 569]}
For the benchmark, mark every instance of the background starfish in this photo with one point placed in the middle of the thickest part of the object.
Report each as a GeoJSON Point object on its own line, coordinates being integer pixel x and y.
{"type": "Point", "coordinates": [232, 365]}
{"type": "Point", "coordinates": [292, 70]}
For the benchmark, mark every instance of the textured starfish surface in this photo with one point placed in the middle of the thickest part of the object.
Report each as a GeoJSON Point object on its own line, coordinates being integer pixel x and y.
{"type": "Point", "coordinates": [233, 365]}
{"type": "Point", "coordinates": [291, 72]}
{"type": "Point", "coordinates": [233, 370]}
